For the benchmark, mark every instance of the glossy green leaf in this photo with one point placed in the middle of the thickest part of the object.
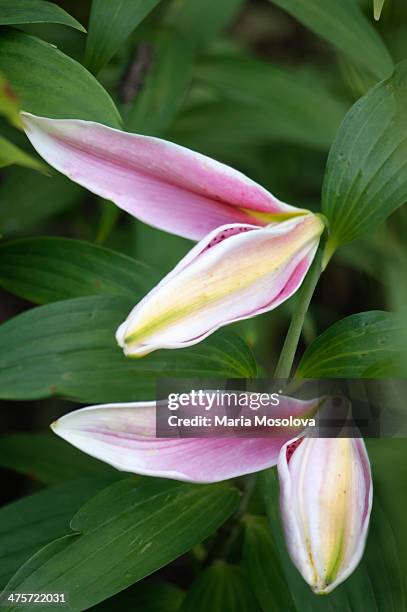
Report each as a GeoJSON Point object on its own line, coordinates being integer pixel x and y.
{"type": "Point", "coordinates": [68, 349]}
{"type": "Point", "coordinates": [343, 25]}
{"type": "Point", "coordinates": [126, 532]}
{"type": "Point", "coordinates": [263, 567]}
{"type": "Point", "coordinates": [375, 585]}
{"type": "Point", "coordinates": [48, 459]}
{"type": "Point", "coordinates": [164, 85]}
{"type": "Point", "coordinates": [110, 24]}
{"type": "Point", "coordinates": [51, 84]}
{"type": "Point", "coordinates": [377, 8]}
{"type": "Point", "coordinates": [35, 11]}
{"type": "Point", "coordinates": [287, 102]}
{"type": "Point", "coordinates": [46, 270]}
{"type": "Point", "coordinates": [365, 179]}
{"type": "Point", "coordinates": [220, 588]}
{"type": "Point", "coordinates": [11, 154]}
{"type": "Point", "coordinates": [202, 20]}
{"type": "Point", "coordinates": [29, 198]}
{"type": "Point", "coordinates": [33, 521]}
{"type": "Point", "coordinates": [351, 346]}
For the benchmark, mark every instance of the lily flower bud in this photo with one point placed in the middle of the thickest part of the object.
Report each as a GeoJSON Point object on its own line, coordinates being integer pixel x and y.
{"type": "Point", "coordinates": [236, 272]}
{"type": "Point", "coordinates": [326, 498]}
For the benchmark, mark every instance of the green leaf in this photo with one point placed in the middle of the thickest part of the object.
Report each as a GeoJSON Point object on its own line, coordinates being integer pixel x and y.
{"type": "Point", "coordinates": [220, 588]}
{"type": "Point", "coordinates": [35, 11]}
{"type": "Point", "coordinates": [343, 25]}
{"type": "Point", "coordinates": [110, 24]}
{"type": "Point", "coordinates": [365, 178]}
{"type": "Point", "coordinates": [349, 347]}
{"type": "Point", "coordinates": [377, 8]}
{"type": "Point", "coordinates": [68, 349]}
{"type": "Point", "coordinates": [46, 270]}
{"type": "Point", "coordinates": [127, 532]}
{"type": "Point", "coordinates": [51, 84]}
{"type": "Point", "coordinates": [39, 558]}
{"type": "Point", "coordinates": [202, 20]}
{"type": "Point", "coordinates": [47, 458]}
{"type": "Point", "coordinates": [287, 102]}
{"type": "Point", "coordinates": [263, 566]}
{"type": "Point", "coordinates": [150, 595]}
{"type": "Point", "coordinates": [31, 522]}
{"type": "Point", "coordinates": [165, 84]}
{"type": "Point", "coordinates": [11, 154]}
{"type": "Point", "coordinates": [28, 198]}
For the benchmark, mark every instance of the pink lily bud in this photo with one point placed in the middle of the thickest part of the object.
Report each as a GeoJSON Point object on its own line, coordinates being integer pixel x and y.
{"type": "Point", "coordinates": [236, 272]}
{"type": "Point", "coordinates": [326, 498]}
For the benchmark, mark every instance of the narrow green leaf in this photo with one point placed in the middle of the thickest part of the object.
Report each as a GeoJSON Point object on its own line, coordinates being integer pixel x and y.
{"type": "Point", "coordinates": [220, 588]}
{"type": "Point", "coordinates": [110, 24]}
{"type": "Point", "coordinates": [11, 154]}
{"type": "Point", "coordinates": [141, 528]}
{"type": "Point", "coordinates": [68, 349]}
{"type": "Point", "coordinates": [35, 11]}
{"type": "Point", "coordinates": [287, 102]}
{"type": "Point", "coordinates": [263, 567]}
{"type": "Point", "coordinates": [39, 558]}
{"type": "Point", "coordinates": [351, 346]}
{"type": "Point", "coordinates": [33, 521]}
{"type": "Point", "coordinates": [46, 270]}
{"type": "Point", "coordinates": [343, 25]}
{"type": "Point", "coordinates": [377, 8]}
{"type": "Point", "coordinates": [164, 86]}
{"type": "Point", "coordinates": [28, 198]}
{"type": "Point", "coordinates": [47, 458]}
{"type": "Point", "coordinates": [202, 20]}
{"type": "Point", "coordinates": [365, 179]}
{"type": "Point", "coordinates": [51, 84]}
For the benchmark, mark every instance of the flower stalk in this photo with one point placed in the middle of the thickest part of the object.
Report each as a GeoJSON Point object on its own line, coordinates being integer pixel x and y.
{"type": "Point", "coordinates": [287, 355]}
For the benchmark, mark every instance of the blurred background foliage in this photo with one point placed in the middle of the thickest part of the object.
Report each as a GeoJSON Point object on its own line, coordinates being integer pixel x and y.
{"type": "Point", "coordinates": [245, 82]}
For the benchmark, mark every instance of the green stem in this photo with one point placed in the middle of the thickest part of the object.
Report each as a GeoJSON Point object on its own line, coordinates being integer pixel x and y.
{"type": "Point", "coordinates": [285, 362]}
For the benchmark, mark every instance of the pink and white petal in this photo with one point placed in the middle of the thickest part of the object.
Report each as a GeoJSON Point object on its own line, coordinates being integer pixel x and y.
{"type": "Point", "coordinates": [123, 435]}
{"type": "Point", "coordinates": [248, 271]}
{"type": "Point", "coordinates": [159, 182]}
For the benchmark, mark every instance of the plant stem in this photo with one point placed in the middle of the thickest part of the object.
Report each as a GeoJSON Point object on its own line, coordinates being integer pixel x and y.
{"type": "Point", "coordinates": [286, 359]}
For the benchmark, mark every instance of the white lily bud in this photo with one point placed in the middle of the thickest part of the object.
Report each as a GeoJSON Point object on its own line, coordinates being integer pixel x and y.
{"type": "Point", "coordinates": [326, 498]}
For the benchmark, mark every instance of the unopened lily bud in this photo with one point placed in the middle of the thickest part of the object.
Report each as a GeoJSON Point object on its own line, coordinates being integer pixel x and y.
{"type": "Point", "coordinates": [236, 272]}
{"type": "Point", "coordinates": [326, 498]}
